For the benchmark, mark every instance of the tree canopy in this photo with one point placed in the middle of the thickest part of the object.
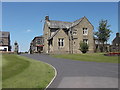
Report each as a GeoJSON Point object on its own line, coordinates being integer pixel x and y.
{"type": "Point", "coordinates": [103, 33]}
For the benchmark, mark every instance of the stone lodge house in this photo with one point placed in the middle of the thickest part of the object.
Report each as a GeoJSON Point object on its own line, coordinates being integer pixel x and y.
{"type": "Point", "coordinates": [36, 45]}
{"type": "Point", "coordinates": [65, 37]}
{"type": "Point", "coordinates": [5, 41]}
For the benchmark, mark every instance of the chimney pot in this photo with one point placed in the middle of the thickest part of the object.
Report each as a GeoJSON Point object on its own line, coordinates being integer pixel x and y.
{"type": "Point", "coordinates": [47, 18]}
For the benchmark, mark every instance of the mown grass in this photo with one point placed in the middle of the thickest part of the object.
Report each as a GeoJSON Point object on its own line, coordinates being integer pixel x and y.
{"type": "Point", "coordinates": [93, 57]}
{"type": "Point", "coordinates": [22, 72]}
{"type": "Point", "coordinates": [0, 71]}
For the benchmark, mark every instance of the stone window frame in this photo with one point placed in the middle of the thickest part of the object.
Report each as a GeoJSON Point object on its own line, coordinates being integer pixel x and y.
{"type": "Point", "coordinates": [85, 31]}
{"type": "Point", "coordinates": [74, 32]}
{"type": "Point", "coordinates": [74, 41]}
{"type": "Point", "coordinates": [61, 42]}
{"type": "Point", "coordinates": [85, 41]}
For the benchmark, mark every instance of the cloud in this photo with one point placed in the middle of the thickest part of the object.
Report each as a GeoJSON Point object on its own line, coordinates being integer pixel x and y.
{"type": "Point", "coordinates": [28, 30]}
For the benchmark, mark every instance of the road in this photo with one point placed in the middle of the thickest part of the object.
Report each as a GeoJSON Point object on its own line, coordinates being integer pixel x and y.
{"type": "Point", "coordinates": [80, 74]}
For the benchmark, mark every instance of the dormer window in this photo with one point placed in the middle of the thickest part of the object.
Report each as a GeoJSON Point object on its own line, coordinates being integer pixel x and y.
{"type": "Point", "coordinates": [85, 31]}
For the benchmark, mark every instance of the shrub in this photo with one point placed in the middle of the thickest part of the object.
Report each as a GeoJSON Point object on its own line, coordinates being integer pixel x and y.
{"type": "Point", "coordinates": [83, 47]}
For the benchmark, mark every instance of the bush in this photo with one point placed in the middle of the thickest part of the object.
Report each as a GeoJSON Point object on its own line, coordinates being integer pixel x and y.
{"type": "Point", "coordinates": [83, 47]}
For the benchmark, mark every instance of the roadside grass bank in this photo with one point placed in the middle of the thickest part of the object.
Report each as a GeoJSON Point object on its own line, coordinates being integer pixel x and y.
{"type": "Point", "coordinates": [92, 57]}
{"type": "Point", "coordinates": [23, 72]}
{"type": "Point", "coordinates": [0, 71]}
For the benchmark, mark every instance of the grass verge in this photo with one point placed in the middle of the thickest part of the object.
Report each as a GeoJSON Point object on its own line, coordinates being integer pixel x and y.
{"type": "Point", "coordinates": [0, 71]}
{"type": "Point", "coordinates": [93, 57]}
{"type": "Point", "coordinates": [22, 72]}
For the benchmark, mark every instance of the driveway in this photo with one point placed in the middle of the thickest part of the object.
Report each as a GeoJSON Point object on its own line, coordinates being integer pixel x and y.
{"type": "Point", "coordinates": [80, 74]}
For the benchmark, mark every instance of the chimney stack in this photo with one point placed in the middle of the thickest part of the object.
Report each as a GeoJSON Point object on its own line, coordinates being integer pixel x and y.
{"type": "Point", "coordinates": [47, 18]}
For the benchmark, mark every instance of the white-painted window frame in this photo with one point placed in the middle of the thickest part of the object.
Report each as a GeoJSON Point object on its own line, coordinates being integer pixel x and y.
{"type": "Point", "coordinates": [61, 42]}
{"type": "Point", "coordinates": [74, 32]}
{"type": "Point", "coordinates": [85, 31]}
{"type": "Point", "coordinates": [85, 41]}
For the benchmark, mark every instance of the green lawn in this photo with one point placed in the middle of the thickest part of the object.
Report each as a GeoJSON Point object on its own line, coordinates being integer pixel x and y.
{"type": "Point", "coordinates": [22, 72]}
{"type": "Point", "coordinates": [0, 71]}
{"type": "Point", "coordinates": [93, 57]}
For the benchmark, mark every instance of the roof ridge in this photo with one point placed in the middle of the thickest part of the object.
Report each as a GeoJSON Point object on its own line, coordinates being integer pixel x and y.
{"type": "Point", "coordinates": [60, 21]}
{"type": "Point", "coordinates": [63, 24]}
{"type": "Point", "coordinates": [78, 19]}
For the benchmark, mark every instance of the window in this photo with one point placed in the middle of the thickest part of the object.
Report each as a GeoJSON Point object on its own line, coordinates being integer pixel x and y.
{"type": "Point", "coordinates": [85, 31]}
{"type": "Point", "coordinates": [75, 32]}
{"type": "Point", "coordinates": [50, 42]}
{"type": "Point", "coordinates": [74, 41]}
{"type": "Point", "coordinates": [61, 42]}
{"type": "Point", "coordinates": [85, 41]}
{"type": "Point", "coordinates": [38, 42]}
{"type": "Point", "coordinates": [38, 39]}
{"type": "Point", "coordinates": [96, 41]}
{"type": "Point", "coordinates": [1, 42]}
{"type": "Point", "coordinates": [5, 49]}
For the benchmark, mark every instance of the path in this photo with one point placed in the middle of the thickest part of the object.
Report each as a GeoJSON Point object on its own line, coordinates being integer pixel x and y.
{"type": "Point", "coordinates": [79, 74]}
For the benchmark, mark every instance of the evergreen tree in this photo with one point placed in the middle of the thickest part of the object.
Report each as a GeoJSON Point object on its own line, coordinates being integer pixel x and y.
{"type": "Point", "coordinates": [103, 33]}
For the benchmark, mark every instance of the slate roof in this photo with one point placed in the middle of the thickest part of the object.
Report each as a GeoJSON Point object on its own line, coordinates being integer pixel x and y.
{"type": "Point", "coordinates": [61, 24]}
{"type": "Point", "coordinates": [53, 35]}
{"type": "Point", "coordinates": [77, 22]}
{"type": "Point", "coordinates": [37, 37]}
{"type": "Point", "coordinates": [4, 34]}
{"type": "Point", "coordinates": [116, 40]}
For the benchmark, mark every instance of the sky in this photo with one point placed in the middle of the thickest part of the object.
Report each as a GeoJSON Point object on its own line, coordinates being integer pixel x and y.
{"type": "Point", "coordinates": [25, 20]}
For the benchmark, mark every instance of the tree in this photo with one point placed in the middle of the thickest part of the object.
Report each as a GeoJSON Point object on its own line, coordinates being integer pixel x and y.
{"type": "Point", "coordinates": [103, 33]}
{"type": "Point", "coordinates": [16, 47]}
{"type": "Point", "coordinates": [83, 47]}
